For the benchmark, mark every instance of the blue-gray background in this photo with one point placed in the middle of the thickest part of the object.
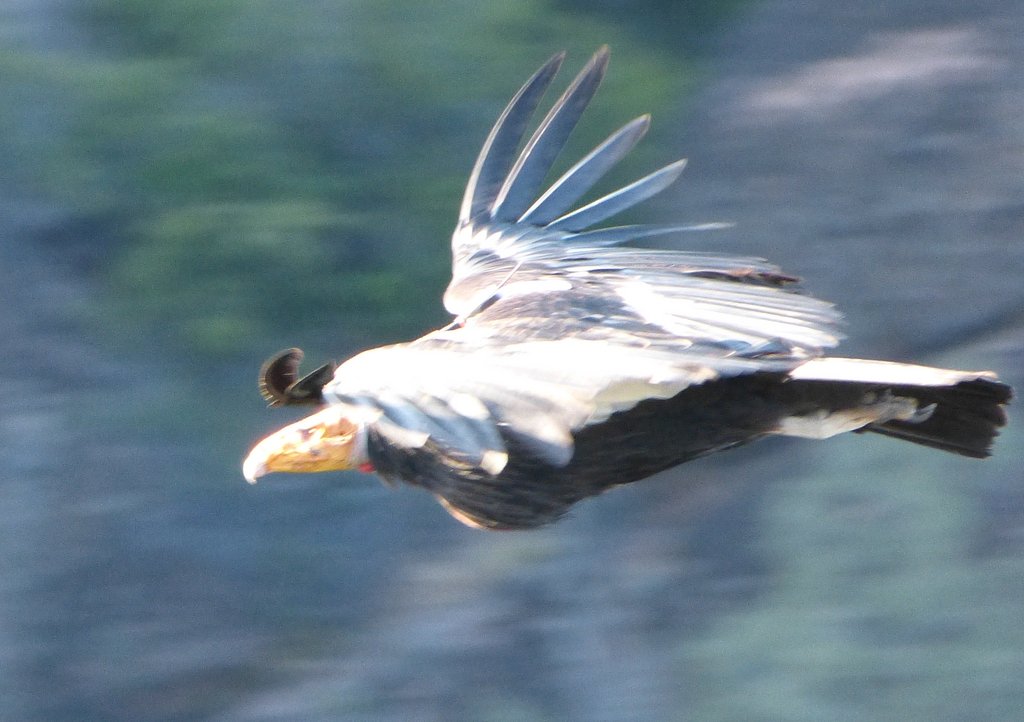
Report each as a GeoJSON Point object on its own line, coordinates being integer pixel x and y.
{"type": "Point", "coordinates": [187, 187]}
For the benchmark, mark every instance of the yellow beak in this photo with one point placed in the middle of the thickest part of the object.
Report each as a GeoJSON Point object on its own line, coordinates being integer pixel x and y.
{"type": "Point", "coordinates": [324, 441]}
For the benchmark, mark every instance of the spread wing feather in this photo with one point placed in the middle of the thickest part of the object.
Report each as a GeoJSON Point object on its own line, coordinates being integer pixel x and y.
{"type": "Point", "coordinates": [579, 179]}
{"type": "Point", "coordinates": [498, 151]}
{"type": "Point", "coordinates": [524, 181]}
{"type": "Point", "coordinates": [618, 201]}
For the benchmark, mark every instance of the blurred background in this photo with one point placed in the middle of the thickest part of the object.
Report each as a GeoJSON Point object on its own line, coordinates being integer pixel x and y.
{"type": "Point", "coordinates": [188, 187]}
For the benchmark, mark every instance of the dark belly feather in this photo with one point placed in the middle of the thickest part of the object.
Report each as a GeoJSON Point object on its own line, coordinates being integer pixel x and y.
{"type": "Point", "coordinates": [631, 445]}
{"type": "Point", "coordinates": [658, 434]}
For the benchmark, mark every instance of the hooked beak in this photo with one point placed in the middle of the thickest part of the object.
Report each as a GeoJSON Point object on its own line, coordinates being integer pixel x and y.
{"type": "Point", "coordinates": [324, 441]}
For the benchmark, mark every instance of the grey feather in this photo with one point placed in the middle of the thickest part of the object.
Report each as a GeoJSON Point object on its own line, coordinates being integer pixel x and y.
{"type": "Point", "coordinates": [496, 155]}
{"type": "Point", "coordinates": [623, 234]}
{"type": "Point", "coordinates": [524, 180]}
{"type": "Point", "coordinates": [579, 179]}
{"type": "Point", "coordinates": [614, 203]}
{"type": "Point", "coordinates": [455, 430]}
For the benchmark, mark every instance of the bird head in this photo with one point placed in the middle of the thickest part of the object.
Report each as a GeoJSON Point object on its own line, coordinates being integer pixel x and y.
{"type": "Point", "coordinates": [324, 441]}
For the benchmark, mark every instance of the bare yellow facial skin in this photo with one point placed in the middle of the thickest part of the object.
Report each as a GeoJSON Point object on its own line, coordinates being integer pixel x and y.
{"type": "Point", "coordinates": [324, 441]}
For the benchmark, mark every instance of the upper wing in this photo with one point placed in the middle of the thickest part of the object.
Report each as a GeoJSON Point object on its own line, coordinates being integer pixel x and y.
{"type": "Point", "coordinates": [467, 401]}
{"type": "Point", "coordinates": [552, 355]}
{"type": "Point", "coordinates": [557, 327]}
{"type": "Point", "coordinates": [505, 218]}
{"type": "Point", "coordinates": [513, 239]}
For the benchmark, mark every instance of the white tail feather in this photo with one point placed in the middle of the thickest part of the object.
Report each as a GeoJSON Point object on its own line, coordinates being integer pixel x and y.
{"type": "Point", "coordinates": [882, 372]}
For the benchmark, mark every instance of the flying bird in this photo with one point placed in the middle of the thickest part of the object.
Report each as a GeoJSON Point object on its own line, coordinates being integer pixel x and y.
{"type": "Point", "coordinates": [574, 364]}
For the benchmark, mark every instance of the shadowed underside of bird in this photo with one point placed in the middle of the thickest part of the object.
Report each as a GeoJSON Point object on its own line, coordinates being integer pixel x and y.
{"type": "Point", "coordinates": [575, 364]}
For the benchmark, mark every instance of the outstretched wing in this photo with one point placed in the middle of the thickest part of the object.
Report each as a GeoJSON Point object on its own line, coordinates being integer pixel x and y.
{"type": "Point", "coordinates": [557, 327]}
{"type": "Point", "coordinates": [506, 221]}
{"type": "Point", "coordinates": [514, 238]}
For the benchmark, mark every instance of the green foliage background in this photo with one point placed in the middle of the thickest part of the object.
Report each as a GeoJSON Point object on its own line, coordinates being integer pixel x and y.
{"type": "Point", "coordinates": [246, 171]}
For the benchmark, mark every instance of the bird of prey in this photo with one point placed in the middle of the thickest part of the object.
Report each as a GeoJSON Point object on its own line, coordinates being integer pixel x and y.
{"type": "Point", "coordinates": [574, 364]}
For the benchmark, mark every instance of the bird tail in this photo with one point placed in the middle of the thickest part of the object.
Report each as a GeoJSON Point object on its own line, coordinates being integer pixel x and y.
{"type": "Point", "coordinates": [956, 411]}
{"type": "Point", "coordinates": [965, 417]}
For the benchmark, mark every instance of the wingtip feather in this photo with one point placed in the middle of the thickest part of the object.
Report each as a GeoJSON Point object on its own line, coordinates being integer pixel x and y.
{"type": "Point", "coordinates": [497, 153]}
{"type": "Point", "coordinates": [524, 180]}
